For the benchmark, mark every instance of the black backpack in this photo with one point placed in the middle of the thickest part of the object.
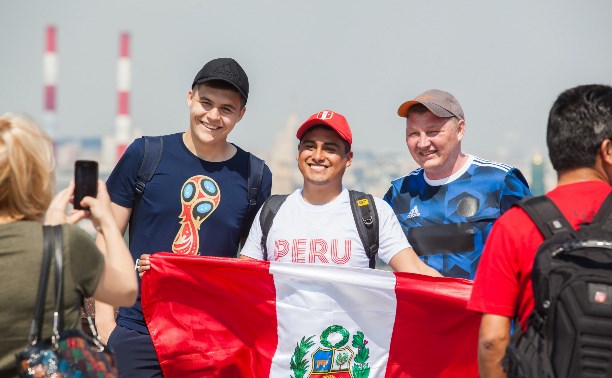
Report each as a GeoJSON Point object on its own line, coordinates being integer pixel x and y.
{"type": "Point", "coordinates": [569, 332]}
{"type": "Point", "coordinates": [153, 148]}
{"type": "Point", "coordinates": [364, 214]}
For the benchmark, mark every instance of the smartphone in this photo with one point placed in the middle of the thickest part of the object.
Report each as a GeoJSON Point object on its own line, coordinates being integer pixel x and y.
{"type": "Point", "coordinates": [85, 181]}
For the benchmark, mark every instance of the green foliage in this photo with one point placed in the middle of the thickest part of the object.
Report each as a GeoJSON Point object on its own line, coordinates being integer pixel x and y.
{"type": "Point", "coordinates": [341, 359]}
{"type": "Point", "coordinates": [361, 371]}
{"type": "Point", "coordinates": [335, 329]}
{"type": "Point", "coordinates": [360, 367]}
{"type": "Point", "coordinates": [363, 353]}
{"type": "Point", "coordinates": [358, 340]}
{"type": "Point", "coordinates": [299, 364]}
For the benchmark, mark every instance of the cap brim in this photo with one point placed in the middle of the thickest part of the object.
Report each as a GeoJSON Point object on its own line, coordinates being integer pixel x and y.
{"type": "Point", "coordinates": [402, 111]}
{"type": "Point", "coordinates": [439, 111]}
{"type": "Point", "coordinates": [308, 124]}
{"type": "Point", "coordinates": [202, 81]}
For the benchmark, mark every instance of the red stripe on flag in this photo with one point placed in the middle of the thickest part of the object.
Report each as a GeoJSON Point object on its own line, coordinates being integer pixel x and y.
{"type": "Point", "coordinates": [445, 340]}
{"type": "Point", "coordinates": [210, 316]}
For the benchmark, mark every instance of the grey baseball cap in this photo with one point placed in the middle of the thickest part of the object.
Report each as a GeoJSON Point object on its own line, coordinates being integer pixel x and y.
{"type": "Point", "coordinates": [440, 103]}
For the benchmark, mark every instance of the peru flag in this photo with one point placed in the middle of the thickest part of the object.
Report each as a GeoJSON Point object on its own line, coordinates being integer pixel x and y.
{"type": "Point", "coordinates": [221, 317]}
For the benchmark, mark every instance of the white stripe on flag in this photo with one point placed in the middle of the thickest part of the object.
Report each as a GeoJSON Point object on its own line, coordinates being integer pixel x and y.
{"type": "Point", "coordinates": [309, 301]}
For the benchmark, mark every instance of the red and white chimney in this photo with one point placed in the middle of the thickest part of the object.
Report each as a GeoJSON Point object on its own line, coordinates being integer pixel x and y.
{"type": "Point", "coordinates": [123, 121]}
{"type": "Point", "coordinates": [50, 81]}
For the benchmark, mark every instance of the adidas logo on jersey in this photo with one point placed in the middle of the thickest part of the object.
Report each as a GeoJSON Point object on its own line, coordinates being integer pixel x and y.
{"type": "Point", "coordinates": [414, 212]}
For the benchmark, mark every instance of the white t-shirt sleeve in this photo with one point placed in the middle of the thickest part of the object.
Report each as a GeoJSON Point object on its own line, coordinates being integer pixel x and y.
{"type": "Point", "coordinates": [252, 246]}
{"type": "Point", "coordinates": [391, 237]}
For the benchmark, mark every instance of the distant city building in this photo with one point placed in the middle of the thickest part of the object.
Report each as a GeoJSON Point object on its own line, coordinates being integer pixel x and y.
{"type": "Point", "coordinates": [286, 177]}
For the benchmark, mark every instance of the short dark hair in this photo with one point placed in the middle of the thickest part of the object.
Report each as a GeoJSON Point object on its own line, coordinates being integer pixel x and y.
{"type": "Point", "coordinates": [422, 109]}
{"type": "Point", "coordinates": [578, 122]}
{"type": "Point", "coordinates": [347, 146]}
{"type": "Point", "coordinates": [220, 84]}
{"type": "Point", "coordinates": [418, 109]}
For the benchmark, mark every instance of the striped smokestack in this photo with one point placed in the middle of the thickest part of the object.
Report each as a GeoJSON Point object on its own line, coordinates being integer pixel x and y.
{"type": "Point", "coordinates": [50, 81]}
{"type": "Point", "coordinates": [124, 77]}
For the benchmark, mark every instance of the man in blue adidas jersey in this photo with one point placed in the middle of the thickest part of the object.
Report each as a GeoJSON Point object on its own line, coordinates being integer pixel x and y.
{"type": "Point", "coordinates": [447, 206]}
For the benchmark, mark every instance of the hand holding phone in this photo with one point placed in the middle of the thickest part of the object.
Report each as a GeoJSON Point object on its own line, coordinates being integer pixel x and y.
{"type": "Point", "coordinates": [85, 181]}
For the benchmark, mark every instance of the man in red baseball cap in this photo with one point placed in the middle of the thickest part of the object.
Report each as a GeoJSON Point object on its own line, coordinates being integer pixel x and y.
{"type": "Point", "coordinates": [319, 223]}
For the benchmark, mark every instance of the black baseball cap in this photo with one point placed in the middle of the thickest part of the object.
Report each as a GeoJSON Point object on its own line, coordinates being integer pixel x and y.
{"type": "Point", "coordinates": [224, 69]}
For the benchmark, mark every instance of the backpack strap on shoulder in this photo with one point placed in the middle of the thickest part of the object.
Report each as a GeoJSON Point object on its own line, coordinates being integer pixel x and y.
{"type": "Point", "coordinates": [366, 220]}
{"type": "Point", "coordinates": [256, 169]}
{"type": "Point", "coordinates": [546, 215]}
{"type": "Point", "coordinates": [266, 218]}
{"type": "Point", "coordinates": [153, 149]}
{"type": "Point", "coordinates": [604, 215]}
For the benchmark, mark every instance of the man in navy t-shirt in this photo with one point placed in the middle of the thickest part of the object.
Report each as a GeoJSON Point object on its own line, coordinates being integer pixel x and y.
{"type": "Point", "coordinates": [448, 205]}
{"type": "Point", "coordinates": [196, 203]}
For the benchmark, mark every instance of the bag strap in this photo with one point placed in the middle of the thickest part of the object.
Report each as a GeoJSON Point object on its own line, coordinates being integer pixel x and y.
{"type": "Point", "coordinates": [256, 170]}
{"type": "Point", "coordinates": [546, 215]}
{"type": "Point", "coordinates": [366, 220]}
{"type": "Point", "coordinates": [266, 217]}
{"type": "Point", "coordinates": [58, 248]}
{"type": "Point", "coordinates": [41, 295]}
{"type": "Point", "coordinates": [604, 215]}
{"type": "Point", "coordinates": [153, 149]}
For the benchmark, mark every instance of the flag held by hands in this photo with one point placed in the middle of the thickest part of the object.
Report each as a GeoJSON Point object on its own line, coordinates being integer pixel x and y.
{"type": "Point", "coordinates": [222, 317]}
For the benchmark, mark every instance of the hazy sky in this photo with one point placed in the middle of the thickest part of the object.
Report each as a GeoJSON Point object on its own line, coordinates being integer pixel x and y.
{"type": "Point", "coordinates": [506, 61]}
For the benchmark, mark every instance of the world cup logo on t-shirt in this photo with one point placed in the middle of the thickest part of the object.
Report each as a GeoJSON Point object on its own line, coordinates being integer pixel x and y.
{"type": "Point", "coordinates": [200, 196]}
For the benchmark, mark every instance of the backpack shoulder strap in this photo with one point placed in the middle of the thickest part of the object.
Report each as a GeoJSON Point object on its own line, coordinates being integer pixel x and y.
{"type": "Point", "coordinates": [366, 220]}
{"type": "Point", "coordinates": [256, 169]}
{"type": "Point", "coordinates": [546, 215]}
{"type": "Point", "coordinates": [153, 148]}
{"type": "Point", "coordinates": [266, 217]}
{"type": "Point", "coordinates": [604, 215]}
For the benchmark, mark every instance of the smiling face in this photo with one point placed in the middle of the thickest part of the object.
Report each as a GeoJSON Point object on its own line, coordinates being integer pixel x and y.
{"type": "Point", "coordinates": [435, 143]}
{"type": "Point", "coordinates": [322, 158]}
{"type": "Point", "coordinates": [213, 113]}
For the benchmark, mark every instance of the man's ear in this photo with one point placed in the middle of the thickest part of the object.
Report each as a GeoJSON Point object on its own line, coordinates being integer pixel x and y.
{"type": "Point", "coordinates": [297, 155]}
{"type": "Point", "coordinates": [605, 157]}
{"type": "Point", "coordinates": [189, 98]}
{"type": "Point", "coordinates": [606, 152]}
{"type": "Point", "coordinates": [460, 129]}
{"type": "Point", "coordinates": [242, 111]}
{"type": "Point", "coordinates": [349, 156]}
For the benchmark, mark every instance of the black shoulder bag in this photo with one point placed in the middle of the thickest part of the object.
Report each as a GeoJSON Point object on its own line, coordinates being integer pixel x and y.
{"type": "Point", "coordinates": [66, 353]}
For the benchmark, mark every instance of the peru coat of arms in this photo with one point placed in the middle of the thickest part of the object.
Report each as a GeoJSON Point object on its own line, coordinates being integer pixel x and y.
{"type": "Point", "coordinates": [332, 360]}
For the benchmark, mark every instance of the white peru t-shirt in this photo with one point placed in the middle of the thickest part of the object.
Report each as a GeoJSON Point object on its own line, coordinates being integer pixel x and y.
{"type": "Point", "coordinates": [323, 234]}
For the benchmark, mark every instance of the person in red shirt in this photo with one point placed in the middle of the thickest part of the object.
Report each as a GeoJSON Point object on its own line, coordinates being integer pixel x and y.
{"type": "Point", "coordinates": [579, 139]}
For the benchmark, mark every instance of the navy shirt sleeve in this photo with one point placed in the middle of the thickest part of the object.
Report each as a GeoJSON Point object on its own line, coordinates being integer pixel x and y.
{"type": "Point", "coordinates": [122, 180]}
